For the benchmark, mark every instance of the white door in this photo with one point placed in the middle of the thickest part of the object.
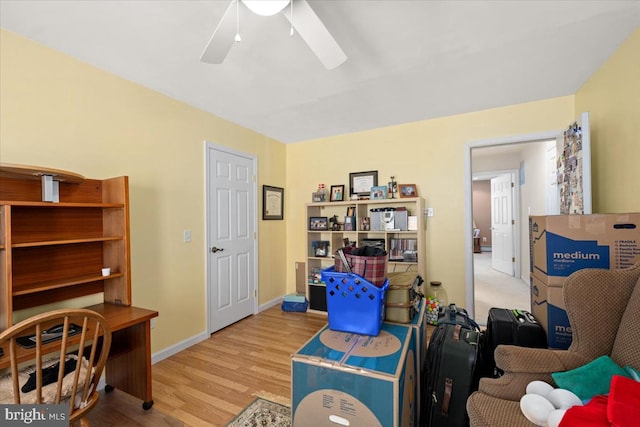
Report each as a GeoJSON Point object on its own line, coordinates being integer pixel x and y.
{"type": "Point", "coordinates": [231, 225]}
{"type": "Point", "coordinates": [502, 224]}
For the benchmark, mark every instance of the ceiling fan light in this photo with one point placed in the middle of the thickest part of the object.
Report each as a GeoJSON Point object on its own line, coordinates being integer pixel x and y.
{"type": "Point", "coordinates": [266, 7]}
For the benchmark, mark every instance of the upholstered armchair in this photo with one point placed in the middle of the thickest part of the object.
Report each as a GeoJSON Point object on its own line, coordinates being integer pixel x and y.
{"type": "Point", "coordinates": [603, 307]}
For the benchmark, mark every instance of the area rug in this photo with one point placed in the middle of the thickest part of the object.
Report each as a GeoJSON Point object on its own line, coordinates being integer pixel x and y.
{"type": "Point", "coordinates": [262, 412]}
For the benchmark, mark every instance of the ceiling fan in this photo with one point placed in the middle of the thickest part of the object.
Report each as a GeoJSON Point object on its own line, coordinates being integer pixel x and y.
{"type": "Point", "coordinates": [300, 15]}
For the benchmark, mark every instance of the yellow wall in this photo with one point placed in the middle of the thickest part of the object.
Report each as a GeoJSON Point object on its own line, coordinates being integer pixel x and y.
{"type": "Point", "coordinates": [612, 97]}
{"type": "Point", "coordinates": [59, 112]}
{"type": "Point", "coordinates": [56, 111]}
{"type": "Point", "coordinates": [430, 154]}
{"type": "Point", "coordinates": [427, 153]}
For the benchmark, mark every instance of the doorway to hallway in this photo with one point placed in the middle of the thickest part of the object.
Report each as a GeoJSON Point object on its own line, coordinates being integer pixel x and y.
{"type": "Point", "coordinates": [492, 158]}
{"type": "Point", "coordinates": [496, 289]}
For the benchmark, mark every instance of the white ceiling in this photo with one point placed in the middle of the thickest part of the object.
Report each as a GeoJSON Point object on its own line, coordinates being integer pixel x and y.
{"type": "Point", "coordinates": [407, 60]}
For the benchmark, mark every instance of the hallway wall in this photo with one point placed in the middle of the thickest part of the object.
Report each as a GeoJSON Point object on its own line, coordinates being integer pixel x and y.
{"type": "Point", "coordinates": [482, 210]}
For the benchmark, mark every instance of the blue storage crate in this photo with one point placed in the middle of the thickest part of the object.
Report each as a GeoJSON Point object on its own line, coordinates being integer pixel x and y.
{"type": "Point", "coordinates": [354, 304]}
{"type": "Point", "coordinates": [293, 306]}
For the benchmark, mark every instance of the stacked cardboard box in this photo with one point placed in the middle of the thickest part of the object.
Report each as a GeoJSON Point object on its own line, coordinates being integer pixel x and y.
{"type": "Point", "coordinates": [563, 244]}
{"type": "Point", "coordinates": [349, 379]}
{"type": "Point", "coordinates": [419, 326]}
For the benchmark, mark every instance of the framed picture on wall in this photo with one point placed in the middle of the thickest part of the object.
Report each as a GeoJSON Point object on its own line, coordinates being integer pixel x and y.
{"type": "Point", "coordinates": [272, 202]}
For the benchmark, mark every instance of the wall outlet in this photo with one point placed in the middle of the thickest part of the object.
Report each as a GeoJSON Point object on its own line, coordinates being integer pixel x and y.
{"type": "Point", "coordinates": [428, 211]}
{"type": "Point", "coordinates": [187, 236]}
{"type": "Point", "coordinates": [153, 323]}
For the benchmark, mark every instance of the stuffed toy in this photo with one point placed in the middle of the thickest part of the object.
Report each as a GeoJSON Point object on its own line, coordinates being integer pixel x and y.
{"type": "Point", "coordinates": [544, 405]}
{"type": "Point", "coordinates": [610, 399]}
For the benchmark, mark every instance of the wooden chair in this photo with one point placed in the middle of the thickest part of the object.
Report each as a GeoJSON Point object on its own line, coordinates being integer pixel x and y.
{"type": "Point", "coordinates": [51, 338]}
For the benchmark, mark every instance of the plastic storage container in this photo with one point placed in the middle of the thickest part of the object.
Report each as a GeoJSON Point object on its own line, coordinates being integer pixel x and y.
{"type": "Point", "coordinates": [435, 298]}
{"type": "Point", "coordinates": [354, 304]}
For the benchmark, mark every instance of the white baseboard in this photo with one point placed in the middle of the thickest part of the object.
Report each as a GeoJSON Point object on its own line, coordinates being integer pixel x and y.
{"type": "Point", "coordinates": [269, 304]}
{"type": "Point", "coordinates": [167, 352]}
{"type": "Point", "coordinates": [182, 345]}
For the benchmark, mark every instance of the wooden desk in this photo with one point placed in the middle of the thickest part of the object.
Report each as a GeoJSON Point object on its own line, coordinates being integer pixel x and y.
{"type": "Point", "coordinates": [129, 364]}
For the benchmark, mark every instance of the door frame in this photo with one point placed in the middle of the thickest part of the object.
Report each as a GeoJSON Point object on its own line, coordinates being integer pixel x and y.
{"type": "Point", "coordinates": [208, 268]}
{"type": "Point", "coordinates": [468, 200]}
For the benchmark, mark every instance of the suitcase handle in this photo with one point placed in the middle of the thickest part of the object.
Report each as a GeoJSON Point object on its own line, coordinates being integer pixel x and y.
{"type": "Point", "coordinates": [454, 312]}
{"type": "Point", "coordinates": [524, 316]}
{"type": "Point", "coordinates": [448, 387]}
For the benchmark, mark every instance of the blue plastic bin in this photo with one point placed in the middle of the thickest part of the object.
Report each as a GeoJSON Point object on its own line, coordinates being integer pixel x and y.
{"type": "Point", "coordinates": [354, 304]}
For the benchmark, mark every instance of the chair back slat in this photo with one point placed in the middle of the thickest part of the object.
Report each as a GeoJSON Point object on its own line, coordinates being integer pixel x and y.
{"type": "Point", "coordinates": [14, 368]}
{"type": "Point", "coordinates": [94, 341]}
{"type": "Point", "coordinates": [38, 363]}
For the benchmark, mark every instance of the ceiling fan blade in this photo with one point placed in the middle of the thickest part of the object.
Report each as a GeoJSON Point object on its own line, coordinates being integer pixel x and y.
{"type": "Point", "coordinates": [315, 34]}
{"type": "Point", "coordinates": [222, 38]}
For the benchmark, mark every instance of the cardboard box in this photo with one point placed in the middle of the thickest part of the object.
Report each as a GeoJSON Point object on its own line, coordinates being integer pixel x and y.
{"type": "Point", "coordinates": [419, 327]}
{"type": "Point", "coordinates": [547, 306]}
{"type": "Point", "coordinates": [563, 244]}
{"type": "Point", "coordinates": [356, 380]}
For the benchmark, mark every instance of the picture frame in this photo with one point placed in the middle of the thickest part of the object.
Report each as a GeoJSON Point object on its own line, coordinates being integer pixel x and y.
{"type": "Point", "coordinates": [272, 202]}
{"type": "Point", "coordinates": [378, 192]}
{"type": "Point", "coordinates": [318, 223]}
{"type": "Point", "coordinates": [407, 190]}
{"type": "Point", "coordinates": [337, 193]}
{"type": "Point", "coordinates": [360, 183]}
{"type": "Point", "coordinates": [365, 223]}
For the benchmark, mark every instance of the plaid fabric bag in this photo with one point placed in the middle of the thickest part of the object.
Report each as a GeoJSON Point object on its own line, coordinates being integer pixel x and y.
{"type": "Point", "coordinates": [372, 268]}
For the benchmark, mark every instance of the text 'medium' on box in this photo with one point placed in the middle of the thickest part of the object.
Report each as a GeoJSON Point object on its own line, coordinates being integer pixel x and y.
{"type": "Point", "coordinates": [563, 244]}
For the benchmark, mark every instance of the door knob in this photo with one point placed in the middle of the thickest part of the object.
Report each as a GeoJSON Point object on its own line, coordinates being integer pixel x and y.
{"type": "Point", "coordinates": [214, 249]}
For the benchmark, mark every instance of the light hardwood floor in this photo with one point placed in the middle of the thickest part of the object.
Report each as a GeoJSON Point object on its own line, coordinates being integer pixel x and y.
{"type": "Point", "coordinates": [211, 382]}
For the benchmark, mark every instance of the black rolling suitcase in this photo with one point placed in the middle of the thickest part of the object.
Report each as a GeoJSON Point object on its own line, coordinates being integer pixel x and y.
{"type": "Point", "coordinates": [505, 326]}
{"type": "Point", "coordinates": [452, 370]}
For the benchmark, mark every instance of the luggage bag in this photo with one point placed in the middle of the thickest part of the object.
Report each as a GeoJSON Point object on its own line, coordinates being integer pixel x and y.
{"type": "Point", "coordinates": [456, 316]}
{"type": "Point", "coordinates": [505, 326]}
{"type": "Point", "coordinates": [452, 374]}
{"type": "Point", "coordinates": [403, 297]}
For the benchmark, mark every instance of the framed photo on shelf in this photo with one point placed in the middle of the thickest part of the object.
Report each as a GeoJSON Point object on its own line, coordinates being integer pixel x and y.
{"type": "Point", "coordinates": [337, 193]}
{"type": "Point", "coordinates": [272, 202]}
{"type": "Point", "coordinates": [360, 183]}
{"type": "Point", "coordinates": [408, 190]}
{"type": "Point", "coordinates": [318, 223]}
{"type": "Point", "coordinates": [378, 192]}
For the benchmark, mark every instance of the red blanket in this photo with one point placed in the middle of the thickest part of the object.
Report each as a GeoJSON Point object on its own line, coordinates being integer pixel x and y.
{"type": "Point", "coordinates": [621, 408]}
